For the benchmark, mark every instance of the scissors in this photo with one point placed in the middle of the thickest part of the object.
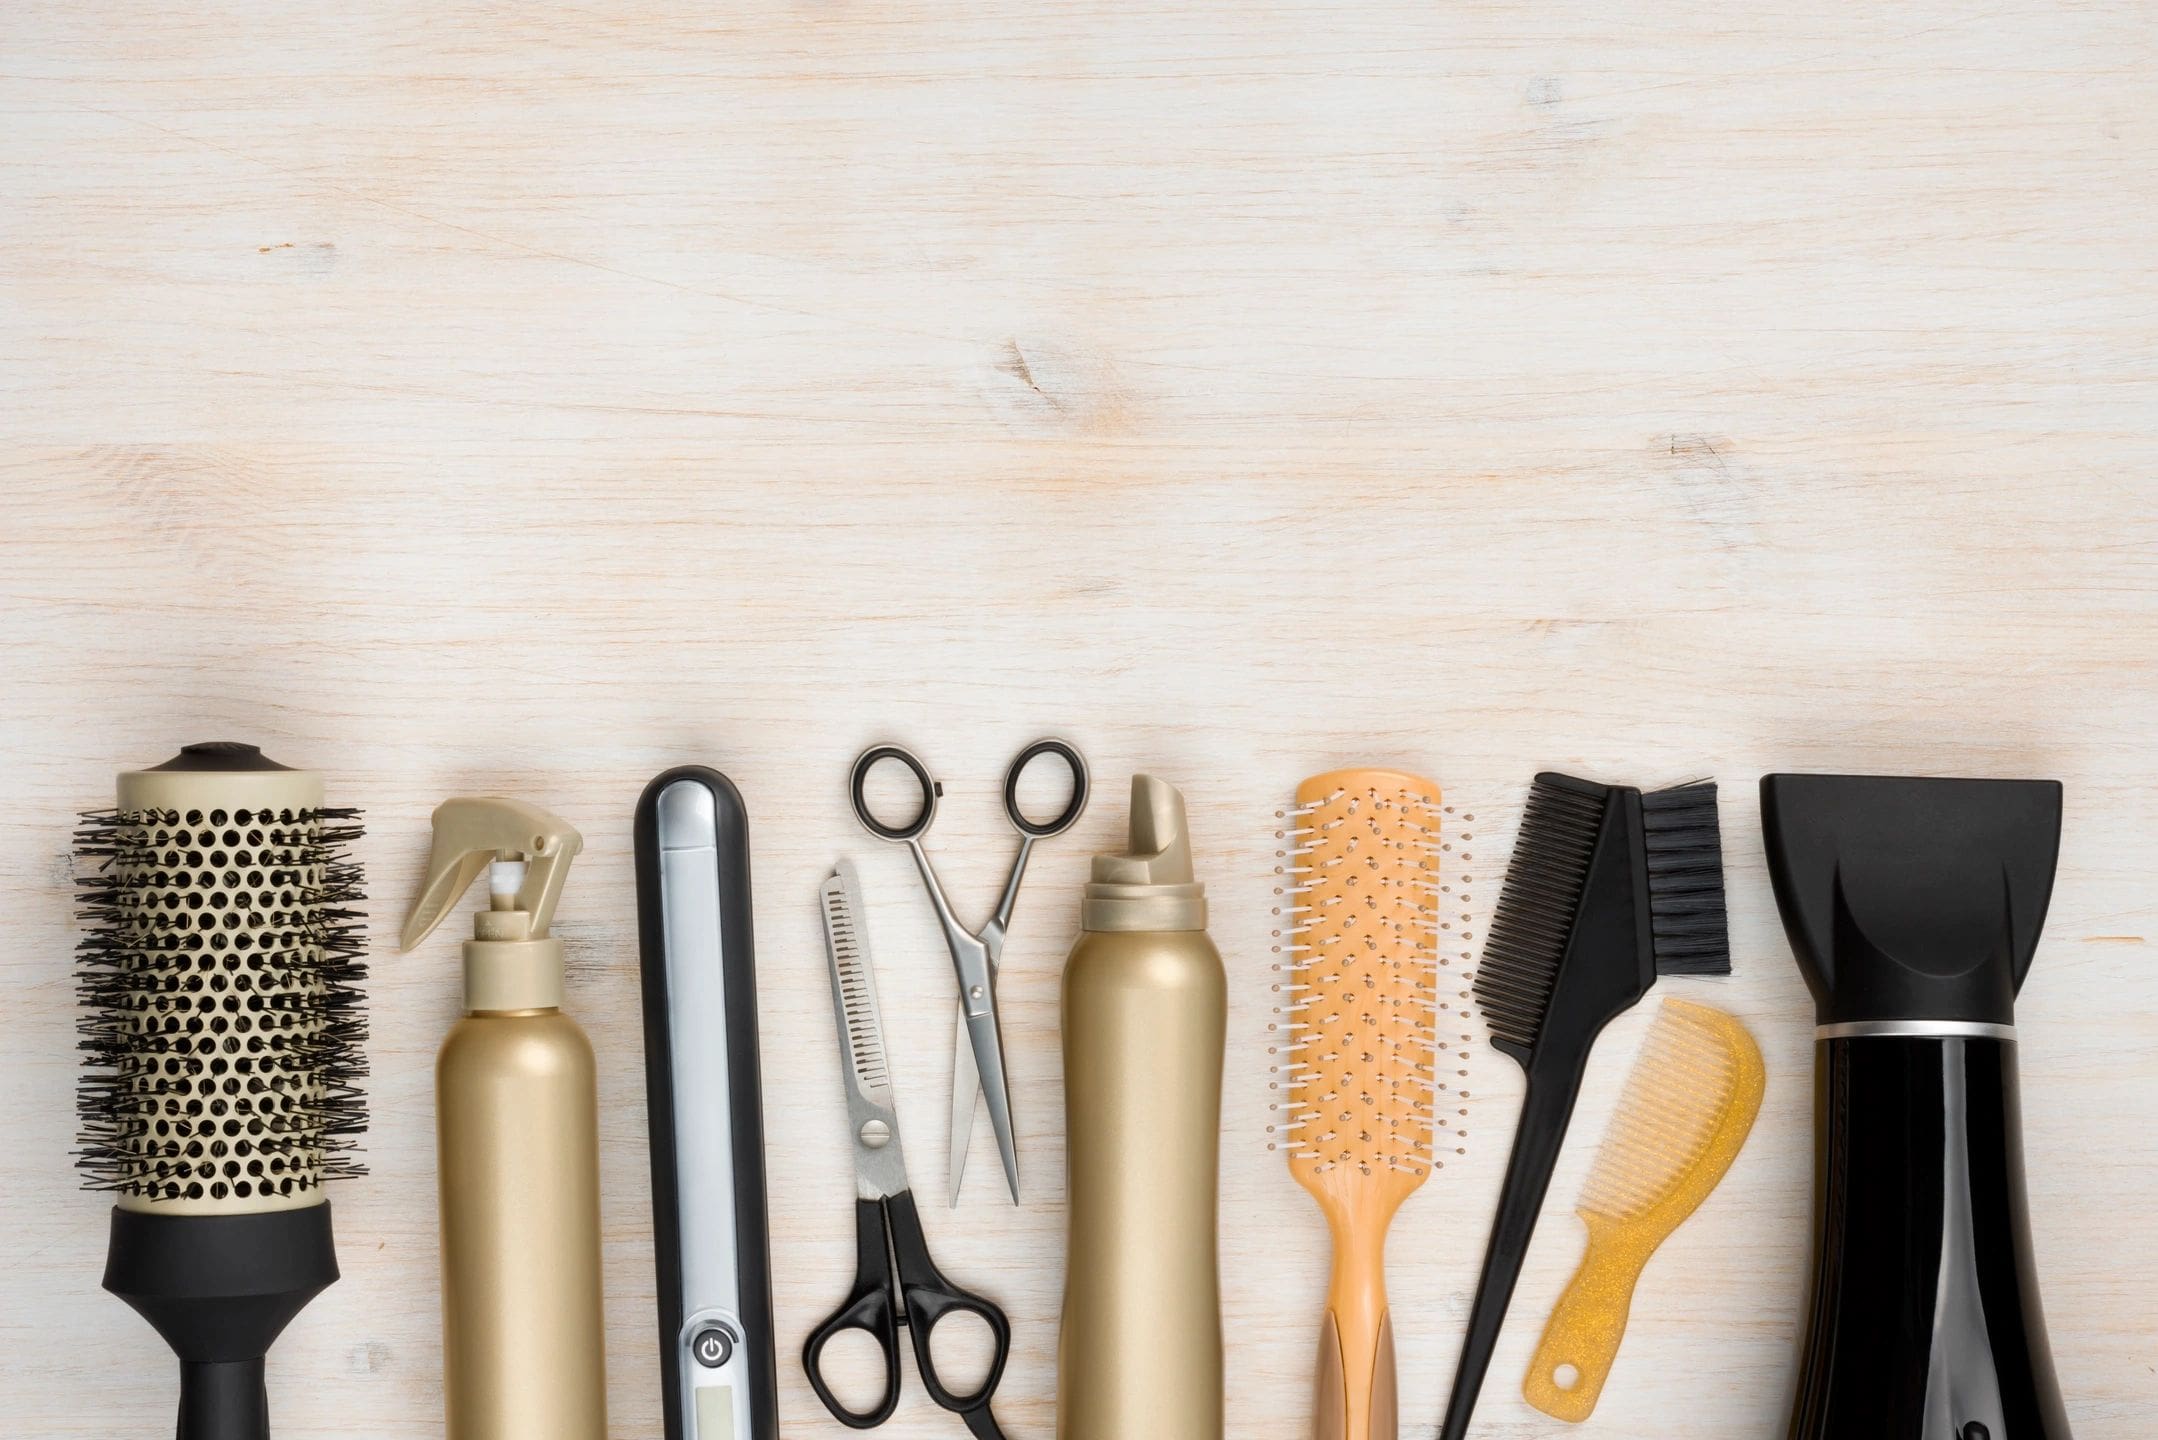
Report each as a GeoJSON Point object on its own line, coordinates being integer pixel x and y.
{"type": "Point", "coordinates": [978, 1045]}
{"type": "Point", "coordinates": [887, 1295]}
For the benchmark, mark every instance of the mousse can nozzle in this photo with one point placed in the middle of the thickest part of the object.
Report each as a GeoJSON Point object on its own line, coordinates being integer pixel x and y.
{"type": "Point", "coordinates": [1149, 886]}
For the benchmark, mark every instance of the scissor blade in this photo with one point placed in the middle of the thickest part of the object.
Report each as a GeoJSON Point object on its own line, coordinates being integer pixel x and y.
{"type": "Point", "coordinates": [966, 1089]}
{"type": "Point", "coordinates": [854, 990]}
{"type": "Point", "coordinates": [987, 1050]}
{"type": "Point", "coordinates": [880, 1167]}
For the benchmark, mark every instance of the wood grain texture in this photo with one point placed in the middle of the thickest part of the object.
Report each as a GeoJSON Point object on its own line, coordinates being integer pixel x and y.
{"type": "Point", "coordinates": [526, 398]}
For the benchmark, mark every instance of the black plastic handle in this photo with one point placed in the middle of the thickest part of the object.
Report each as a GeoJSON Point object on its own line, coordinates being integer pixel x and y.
{"type": "Point", "coordinates": [858, 783]}
{"type": "Point", "coordinates": [219, 1289]}
{"type": "Point", "coordinates": [930, 1298]}
{"type": "Point", "coordinates": [1926, 1317]}
{"type": "Point", "coordinates": [224, 1400]}
{"type": "Point", "coordinates": [1072, 810]}
{"type": "Point", "coordinates": [1538, 1138]}
{"type": "Point", "coordinates": [872, 1308]}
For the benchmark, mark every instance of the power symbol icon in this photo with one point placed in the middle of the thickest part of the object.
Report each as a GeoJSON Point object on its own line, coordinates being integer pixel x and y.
{"type": "Point", "coordinates": [712, 1347]}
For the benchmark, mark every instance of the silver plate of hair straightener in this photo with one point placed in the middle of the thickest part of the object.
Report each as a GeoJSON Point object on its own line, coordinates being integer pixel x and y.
{"type": "Point", "coordinates": [706, 1109]}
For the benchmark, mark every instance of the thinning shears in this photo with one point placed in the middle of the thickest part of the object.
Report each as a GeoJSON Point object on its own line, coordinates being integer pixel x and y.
{"type": "Point", "coordinates": [896, 1283]}
{"type": "Point", "coordinates": [978, 1058]}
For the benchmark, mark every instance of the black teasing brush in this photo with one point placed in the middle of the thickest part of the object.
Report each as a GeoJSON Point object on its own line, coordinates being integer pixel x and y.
{"type": "Point", "coordinates": [1683, 844]}
{"type": "Point", "coordinates": [1607, 889]}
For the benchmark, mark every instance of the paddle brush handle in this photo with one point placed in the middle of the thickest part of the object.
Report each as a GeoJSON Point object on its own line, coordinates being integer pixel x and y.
{"type": "Point", "coordinates": [1545, 1110]}
{"type": "Point", "coordinates": [1356, 1393]}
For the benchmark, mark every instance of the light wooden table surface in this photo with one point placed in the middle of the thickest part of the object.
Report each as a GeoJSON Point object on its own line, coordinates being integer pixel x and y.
{"type": "Point", "coordinates": [525, 398]}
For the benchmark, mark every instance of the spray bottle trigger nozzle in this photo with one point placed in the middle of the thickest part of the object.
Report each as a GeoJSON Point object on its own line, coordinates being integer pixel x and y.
{"type": "Point", "coordinates": [525, 849]}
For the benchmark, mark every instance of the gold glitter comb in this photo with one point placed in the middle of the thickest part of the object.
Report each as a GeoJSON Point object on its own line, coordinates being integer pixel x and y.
{"type": "Point", "coordinates": [1686, 1112]}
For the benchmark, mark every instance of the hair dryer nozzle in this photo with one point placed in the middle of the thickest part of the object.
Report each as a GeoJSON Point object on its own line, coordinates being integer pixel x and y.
{"type": "Point", "coordinates": [1909, 898]}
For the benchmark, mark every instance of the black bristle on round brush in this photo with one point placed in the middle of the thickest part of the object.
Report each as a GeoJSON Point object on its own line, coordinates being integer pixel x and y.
{"type": "Point", "coordinates": [222, 1036]}
{"type": "Point", "coordinates": [132, 964]}
{"type": "Point", "coordinates": [1607, 889]}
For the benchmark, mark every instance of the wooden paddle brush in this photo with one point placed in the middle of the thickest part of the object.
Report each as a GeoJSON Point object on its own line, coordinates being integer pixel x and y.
{"type": "Point", "coordinates": [1361, 900]}
{"type": "Point", "coordinates": [1685, 1113]}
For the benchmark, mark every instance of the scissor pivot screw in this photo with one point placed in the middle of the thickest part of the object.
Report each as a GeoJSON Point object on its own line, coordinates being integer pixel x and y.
{"type": "Point", "coordinates": [876, 1134]}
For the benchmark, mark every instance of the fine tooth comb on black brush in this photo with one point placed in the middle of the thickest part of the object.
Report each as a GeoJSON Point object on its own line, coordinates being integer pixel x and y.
{"type": "Point", "coordinates": [1607, 889]}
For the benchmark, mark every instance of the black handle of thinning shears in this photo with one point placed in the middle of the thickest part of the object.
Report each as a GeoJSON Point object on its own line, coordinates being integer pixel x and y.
{"type": "Point", "coordinates": [886, 1230]}
{"type": "Point", "coordinates": [871, 1307]}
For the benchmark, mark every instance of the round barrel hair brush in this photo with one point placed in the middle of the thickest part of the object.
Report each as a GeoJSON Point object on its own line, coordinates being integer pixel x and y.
{"type": "Point", "coordinates": [222, 1038]}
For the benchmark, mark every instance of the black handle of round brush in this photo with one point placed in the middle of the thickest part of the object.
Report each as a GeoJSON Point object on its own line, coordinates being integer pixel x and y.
{"type": "Point", "coordinates": [224, 1400]}
{"type": "Point", "coordinates": [219, 1289]}
{"type": "Point", "coordinates": [1545, 1111]}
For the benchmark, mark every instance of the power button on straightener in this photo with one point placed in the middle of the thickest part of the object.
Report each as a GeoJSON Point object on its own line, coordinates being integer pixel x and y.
{"type": "Point", "coordinates": [713, 1346]}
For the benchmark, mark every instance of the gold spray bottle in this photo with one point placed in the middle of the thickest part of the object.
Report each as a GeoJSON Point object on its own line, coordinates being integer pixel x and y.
{"type": "Point", "coordinates": [1145, 1013]}
{"type": "Point", "coordinates": [517, 1127]}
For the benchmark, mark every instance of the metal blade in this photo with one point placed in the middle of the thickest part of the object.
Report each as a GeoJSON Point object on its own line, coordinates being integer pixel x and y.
{"type": "Point", "coordinates": [880, 1169]}
{"type": "Point", "coordinates": [989, 1063]}
{"type": "Point", "coordinates": [966, 1088]}
{"type": "Point", "coordinates": [854, 988]}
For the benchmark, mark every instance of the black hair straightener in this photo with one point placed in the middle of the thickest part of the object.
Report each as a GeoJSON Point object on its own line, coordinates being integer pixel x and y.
{"type": "Point", "coordinates": [706, 1109]}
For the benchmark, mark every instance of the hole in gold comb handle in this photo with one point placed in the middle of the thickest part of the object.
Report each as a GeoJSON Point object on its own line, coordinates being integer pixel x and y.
{"type": "Point", "coordinates": [1566, 1377]}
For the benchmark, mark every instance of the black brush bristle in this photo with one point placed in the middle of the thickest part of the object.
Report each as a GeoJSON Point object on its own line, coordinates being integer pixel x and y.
{"type": "Point", "coordinates": [1536, 907]}
{"type": "Point", "coordinates": [214, 988]}
{"type": "Point", "coordinates": [1684, 846]}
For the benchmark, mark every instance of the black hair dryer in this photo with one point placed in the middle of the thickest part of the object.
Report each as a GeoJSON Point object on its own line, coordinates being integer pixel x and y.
{"type": "Point", "coordinates": [1914, 907]}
